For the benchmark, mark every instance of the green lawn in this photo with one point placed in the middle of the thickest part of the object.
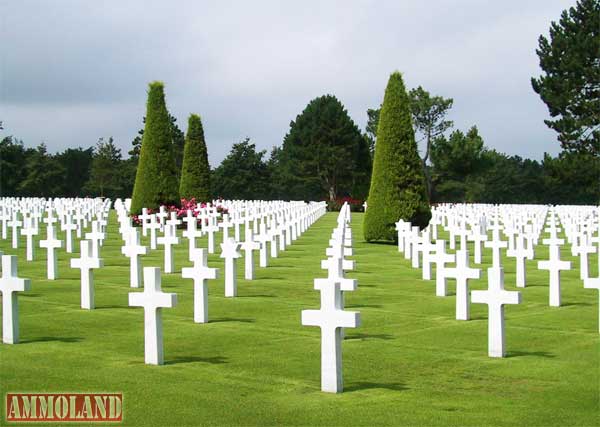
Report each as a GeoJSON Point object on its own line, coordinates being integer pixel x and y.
{"type": "Point", "coordinates": [410, 363]}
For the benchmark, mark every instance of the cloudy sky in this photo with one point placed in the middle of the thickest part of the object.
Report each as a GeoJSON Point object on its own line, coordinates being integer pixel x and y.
{"type": "Point", "coordinates": [74, 71]}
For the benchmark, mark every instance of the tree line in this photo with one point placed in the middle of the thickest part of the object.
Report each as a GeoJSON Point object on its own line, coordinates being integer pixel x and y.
{"type": "Point", "coordinates": [326, 156]}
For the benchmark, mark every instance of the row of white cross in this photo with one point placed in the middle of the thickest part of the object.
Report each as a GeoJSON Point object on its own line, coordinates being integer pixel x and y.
{"type": "Point", "coordinates": [272, 222]}
{"type": "Point", "coordinates": [522, 227]}
{"type": "Point", "coordinates": [331, 317]}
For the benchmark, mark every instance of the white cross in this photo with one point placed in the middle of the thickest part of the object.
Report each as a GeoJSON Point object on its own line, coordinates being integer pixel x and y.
{"type": "Point", "coordinates": [520, 253]}
{"type": "Point", "coordinates": [173, 222]}
{"type": "Point", "coordinates": [335, 272]}
{"type": "Point", "coordinates": [30, 231]}
{"type": "Point", "coordinates": [10, 283]}
{"type": "Point", "coordinates": [191, 233]}
{"type": "Point", "coordinates": [248, 247]}
{"type": "Point", "coordinates": [477, 237]}
{"type": "Point", "coordinates": [440, 259]}
{"type": "Point", "coordinates": [593, 283]}
{"type": "Point", "coordinates": [330, 318]}
{"type": "Point", "coordinates": [14, 225]}
{"type": "Point", "coordinates": [274, 235]}
{"type": "Point", "coordinates": [96, 237]}
{"type": "Point", "coordinates": [153, 226]}
{"type": "Point", "coordinates": [200, 273]}
{"type": "Point", "coordinates": [68, 227]}
{"type": "Point", "coordinates": [554, 265]}
{"type": "Point", "coordinates": [230, 251]}
{"type": "Point", "coordinates": [496, 297]}
{"type": "Point", "coordinates": [168, 240]}
{"type": "Point", "coordinates": [162, 216]}
{"type": "Point", "coordinates": [263, 238]}
{"type": "Point", "coordinates": [132, 250]}
{"type": "Point", "coordinates": [211, 229]}
{"type": "Point", "coordinates": [51, 244]}
{"type": "Point", "coordinates": [428, 250]}
{"type": "Point", "coordinates": [225, 225]}
{"type": "Point", "coordinates": [86, 263]}
{"type": "Point", "coordinates": [583, 250]}
{"type": "Point", "coordinates": [144, 219]}
{"type": "Point", "coordinates": [462, 273]}
{"type": "Point", "coordinates": [153, 300]}
{"type": "Point", "coordinates": [496, 245]}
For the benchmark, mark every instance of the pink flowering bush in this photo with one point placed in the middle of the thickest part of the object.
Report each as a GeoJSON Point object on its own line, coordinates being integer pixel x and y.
{"type": "Point", "coordinates": [181, 211]}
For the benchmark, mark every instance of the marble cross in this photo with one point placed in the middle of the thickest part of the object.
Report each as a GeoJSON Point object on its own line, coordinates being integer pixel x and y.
{"type": "Point", "coordinates": [153, 226]}
{"type": "Point", "coordinates": [593, 283]}
{"type": "Point", "coordinates": [477, 237]}
{"type": "Point", "coordinates": [10, 284]}
{"type": "Point", "coordinates": [554, 265]}
{"type": "Point", "coordinates": [230, 252]}
{"type": "Point", "coordinates": [95, 237]}
{"type": "Point", "coordinates": [496, 297]}
{"type": "Point", "coordinates": [520, 253]}
{"type": "Point", "coordinates": [191, 233]}
{"type": "Point", "coordinates": [211, 228]}
{"type": "Point", "coordinates": [68, 227]}
{"type": "Point", "coordinates": [29, 231]}
{"type": "Point", "coordinates": [144, 219]}
{"type": "Point", "coordinates": [14, 225]}
{"type": "Point", "coordinates": [462, 273]}
{"type": "Point", "coordinates": [168, 240]}
{"type": "Point", "coordinates": [86, 263]}
{"type": "Point", "coordinates": [263, 238]}
{"type": "Point", "coordinates": [249, 246]}
{"type": "Point", "coordinates": [331, 319]}
{"type": "Point", "coordinates": [200, 273]}
{"type": "Point", "coordinates": [584, 249]}
{"type": "Point", "coordinates": [51, 244]}
{"type": "Point", "coordinates": [153, 300]}
{"type": "Point", "coordinates": [440, 259]}
{"type": "Point", "coordinates": [496, 245]}
{"type": "Point", "coordinates": [132, 250]}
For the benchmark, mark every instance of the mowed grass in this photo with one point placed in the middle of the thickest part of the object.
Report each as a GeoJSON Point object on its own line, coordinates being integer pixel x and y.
{"type": "Point", "coordinates": [410, 363]}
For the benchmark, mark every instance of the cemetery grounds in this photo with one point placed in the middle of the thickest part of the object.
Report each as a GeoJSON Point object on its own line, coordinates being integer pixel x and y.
{"type": "Point", "coordinates": [409, 363]}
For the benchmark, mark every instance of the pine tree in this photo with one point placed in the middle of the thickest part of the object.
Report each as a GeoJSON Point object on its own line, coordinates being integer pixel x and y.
{"type": "Point", "coordinates": [398, 189]}
{"type": "Point", "coordinates": [195, 171]}
{"type": "Point", "coordinates": [156, 177]}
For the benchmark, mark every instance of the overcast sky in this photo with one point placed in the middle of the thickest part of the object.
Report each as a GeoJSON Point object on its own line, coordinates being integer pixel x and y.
{"type": "Point", "coordinates": [74, 71]}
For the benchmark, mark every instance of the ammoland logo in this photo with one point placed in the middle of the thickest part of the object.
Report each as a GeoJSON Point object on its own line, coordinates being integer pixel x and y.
{"type": "Point", "coordinates": [63, 407]}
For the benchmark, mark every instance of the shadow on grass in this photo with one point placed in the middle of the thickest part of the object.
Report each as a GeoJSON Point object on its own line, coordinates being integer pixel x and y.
{"type": "Point", "coordinates": [365, 385]}
{"type": "Point", "coordinates": [530, 353]}
{"type": "Point", "coordinates": [106, 307]}
{"type": "Point", "coordinates": [364, 306]}
{"type": "Point", "coordinates": [51, 339]}
{"type": "Point", "coordinates": [216, 360]}
{"type": "Point", "coordinates": [231, 319]}
{"type": "Point", "coordinates": [256, 296]}
{"type": "Point", "coordinates": [568, 304]}
{"type": "Point", "coordinates": [369, 336]}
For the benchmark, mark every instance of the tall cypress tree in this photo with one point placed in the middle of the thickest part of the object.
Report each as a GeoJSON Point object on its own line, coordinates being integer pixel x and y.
{"type": "Point", "coordinates": [398, 189]}
{"type": "Point", "coordinates": [156, 177]}
{"type": "Point", "coordinates": [195, 171]}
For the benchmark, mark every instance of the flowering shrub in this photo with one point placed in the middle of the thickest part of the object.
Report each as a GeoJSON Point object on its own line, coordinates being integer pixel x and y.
{"type": "Point", "coordinates": [356, 205]}
{"type": "Point", "coordinates": [181, 212]}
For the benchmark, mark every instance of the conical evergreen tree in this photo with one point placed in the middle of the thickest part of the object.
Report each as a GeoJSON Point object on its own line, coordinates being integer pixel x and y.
{"type": "Point", "coordinates": [195, 171]}
{"type": "Point", "coordinates": [398, 189]}
{"type": "Point", "coordinates": [156, 177]}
